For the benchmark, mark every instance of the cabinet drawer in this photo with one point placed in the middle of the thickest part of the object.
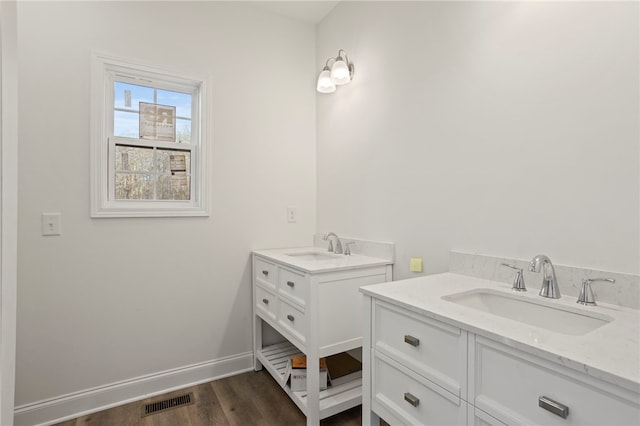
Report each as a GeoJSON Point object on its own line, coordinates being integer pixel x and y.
{"type": "Point", "coordinates": [292, 319]}
{"type": "Point", "coordinates": [293, 286]}
{"type": "Point", "coordinates": [431, 348]}
{"type": "Point", "coordinates": [508, 384]}
{"type": "Point", "coordinates": [266, 303]}
{"type": "Point", "coordinates": [265, 273]}
{"type": "Point", "coordinates": [412, 399]}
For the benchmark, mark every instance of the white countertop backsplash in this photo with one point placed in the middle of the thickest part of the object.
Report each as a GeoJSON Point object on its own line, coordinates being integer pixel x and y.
{"type": "Point", "coordinates": [624, 292]}
{"type": "Point", "coordinates": [382, 250]}
{"type": "Point", "coordinates": [610, 352]}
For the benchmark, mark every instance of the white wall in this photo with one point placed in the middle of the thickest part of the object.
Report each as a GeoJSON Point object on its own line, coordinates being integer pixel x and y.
{"type": "Point", "coordinates": [8, 206]}
{"type": "Point", "coordinates": [500, 128]}
{"type": "Point", "coordinates": [114, 299]}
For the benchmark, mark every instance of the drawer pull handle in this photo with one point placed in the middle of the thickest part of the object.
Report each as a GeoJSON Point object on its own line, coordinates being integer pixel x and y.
{"type": "Point", "coordinates": [553, 406]}
{"type": "Point", "coordinates": [265, 301]}
{"type": "Point", "coordinates": [265, 273]}
{"type": "Point", "coordinates": [290, 284]}
{"type": "Point", "coordinates": [411, 399]}
{"type": "Point", "coordinates": [290, 318]}
{"type": "Point", "coordinates": [413, 341]}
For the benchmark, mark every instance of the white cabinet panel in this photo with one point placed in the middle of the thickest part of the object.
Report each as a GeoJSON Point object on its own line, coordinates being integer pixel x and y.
{"type": "Point", "coordinates": [411, 399]}
{"type": "Point", "coordinates": [293, 286]}
{"type": "Point", "coordinates": [507, 383]}
{"type": "Point", "coordinates": [431, 348]}
{"type": "Point", "coordinates": [265, 273]}
{"type": "Point", "coordinates": [292, 319]}
{"type": "Point", "coordinates": [266, 303]}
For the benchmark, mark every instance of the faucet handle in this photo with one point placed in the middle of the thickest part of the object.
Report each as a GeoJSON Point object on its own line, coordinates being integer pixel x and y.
{"type": "Point", "coordinates": [518, 280]}
{"type": "Point", "coordinates": [347, 249]}
{"type": "Point", "coordinates": [586, 296]}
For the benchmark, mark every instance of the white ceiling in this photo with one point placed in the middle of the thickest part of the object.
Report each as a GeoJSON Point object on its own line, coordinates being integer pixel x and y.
{"type": "Point", "coordinates": [308, 11]}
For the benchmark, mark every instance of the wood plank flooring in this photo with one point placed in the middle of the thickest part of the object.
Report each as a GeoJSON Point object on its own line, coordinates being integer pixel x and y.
{"type": "Point", "coordinates": [247, 399]}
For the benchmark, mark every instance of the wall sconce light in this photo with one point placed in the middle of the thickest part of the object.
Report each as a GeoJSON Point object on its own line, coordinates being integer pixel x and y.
{"type": "Point", "coordinates": [340, 72]}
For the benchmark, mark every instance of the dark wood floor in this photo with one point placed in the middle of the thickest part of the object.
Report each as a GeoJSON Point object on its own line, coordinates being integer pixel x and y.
{"type": "Point", "coordinates": [247, 399]}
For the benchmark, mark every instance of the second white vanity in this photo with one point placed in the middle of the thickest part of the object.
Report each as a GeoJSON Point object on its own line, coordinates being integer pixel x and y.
{"type": "Point", "coordinates": [451, 349]}
{"type": "Point", "coordinates": [311, 298]}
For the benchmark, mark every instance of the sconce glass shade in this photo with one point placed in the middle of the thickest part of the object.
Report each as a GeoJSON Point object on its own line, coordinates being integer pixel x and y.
{"type": "Point", "coordinates": [325, 85]}
{"type": "Point", "coordinates": [340, 73]}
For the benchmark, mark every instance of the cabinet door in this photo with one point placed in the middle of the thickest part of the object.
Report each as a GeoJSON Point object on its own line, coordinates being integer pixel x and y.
{"type": "Point", "coordinates": [407, 398]}
{"type": "Point", "coordinates": [519, 388]}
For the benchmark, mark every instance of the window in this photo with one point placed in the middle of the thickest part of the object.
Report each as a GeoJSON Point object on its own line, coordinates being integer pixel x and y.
{"type": "Point", "coordinates": [148, 142]}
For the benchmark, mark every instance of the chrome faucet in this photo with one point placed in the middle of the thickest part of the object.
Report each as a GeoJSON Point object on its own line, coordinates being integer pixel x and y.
{"type": "Point", "coordinates": [338, 249]}
{"type": "Point", "coordinates": [549, 282]}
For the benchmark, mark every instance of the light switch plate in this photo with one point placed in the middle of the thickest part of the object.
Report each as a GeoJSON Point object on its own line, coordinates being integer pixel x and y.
{"type": "Point", "coordinates": [51, 224]}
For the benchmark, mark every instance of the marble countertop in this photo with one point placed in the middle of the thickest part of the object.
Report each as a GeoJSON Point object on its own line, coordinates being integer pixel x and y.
{"type": "Point", "coordinates": [328, 263]}
{"type": "Point", "coordinates": [610, 352]}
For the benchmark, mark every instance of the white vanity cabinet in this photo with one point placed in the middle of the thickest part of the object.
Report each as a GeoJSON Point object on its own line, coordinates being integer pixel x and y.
{"type": "Point", "coordinates": [317, 308]}
{"type": "Point", "coordinates": [423, 368]}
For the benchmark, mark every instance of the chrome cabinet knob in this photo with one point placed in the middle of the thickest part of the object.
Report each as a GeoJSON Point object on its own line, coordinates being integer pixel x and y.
{"type": "Point", "coordinates": [413, 341]}
{"type": "Point", "coordinates": [411, 399]}
{"type": "Point", "coordinates": [553, 406]}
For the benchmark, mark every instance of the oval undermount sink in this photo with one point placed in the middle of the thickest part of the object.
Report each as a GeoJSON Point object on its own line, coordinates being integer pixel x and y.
{"type": "Point", "coordinates": [313, 255]}
{"type": "Point", "coordinates": [557, 318]}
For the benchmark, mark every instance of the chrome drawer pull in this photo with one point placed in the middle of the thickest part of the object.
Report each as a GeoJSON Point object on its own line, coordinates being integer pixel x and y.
{"type": "Point", "coordinates": [553, 406]}
{"type": "Point", "coordinates": [413, 341]}
{"type": "Point", "coordinates": [266, 273]}
{"type": "Point", "coordinates": [265, 301]}
{"type": "Point", "coordinates": [290, 284]}
{"type": "Point", "coordinates": [290, 318]}
{"type": "Point", "coordinates": [411, 399]}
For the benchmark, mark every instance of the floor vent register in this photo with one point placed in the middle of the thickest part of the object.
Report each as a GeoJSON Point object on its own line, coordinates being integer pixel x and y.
{"type": "Point", "coordinates": [168, 404]}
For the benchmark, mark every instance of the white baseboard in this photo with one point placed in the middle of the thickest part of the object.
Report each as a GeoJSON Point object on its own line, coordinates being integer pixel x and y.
{"type": "Point", "coordinates": [78, 404]}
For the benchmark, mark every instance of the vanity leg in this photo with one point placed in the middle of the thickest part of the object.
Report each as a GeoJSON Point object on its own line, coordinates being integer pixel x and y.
{"type": "Point", "coordinates": [369, 418]}
{"type": "Point", "coordinates": [313, 392]}
{"type": "Point", "coordinates": [313, 355]}
{"type": "Point", "coordinates": [257, 342]}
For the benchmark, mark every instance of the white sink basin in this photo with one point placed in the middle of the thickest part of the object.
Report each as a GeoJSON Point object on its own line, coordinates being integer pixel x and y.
{"type": "Point", "coordinates": [313, 255]}
{"type": "Point", "coordinates": [557, 318]}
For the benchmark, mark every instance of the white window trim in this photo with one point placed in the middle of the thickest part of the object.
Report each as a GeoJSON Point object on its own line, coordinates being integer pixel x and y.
{"type": "Point", "coordinates": [101, 204]}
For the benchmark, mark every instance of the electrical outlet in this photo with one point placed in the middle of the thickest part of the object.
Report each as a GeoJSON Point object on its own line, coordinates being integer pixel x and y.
{"type": "Point", "coordinates": [51, 224]}
{"type": "Point", "coordinates": [292, 214]}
